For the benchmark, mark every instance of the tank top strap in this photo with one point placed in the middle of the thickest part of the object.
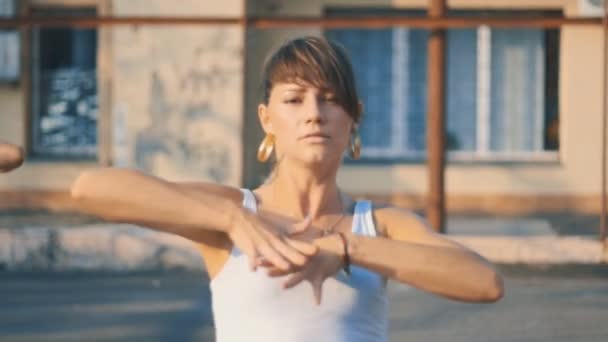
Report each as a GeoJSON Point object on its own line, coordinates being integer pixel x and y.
{"type": "Point", "coordinates": [249, 200]}
{"type": "Point", "coordinates": [363, 220]}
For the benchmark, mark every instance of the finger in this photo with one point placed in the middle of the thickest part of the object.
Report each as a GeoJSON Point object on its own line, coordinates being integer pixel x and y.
{"type": "Point", "coordinates": [317, 289]}
{"type": "Point", "coordinates": [248, 248]}
{"type": "Point", "coordinates": [269, 253]}
{"type": "Point", "coordinates": [275, 272]}
{"type": "Point", "coordinates": [270, 267]}
{"type": "Point", "coordinates": [287, 251]}
{"type": "Point", "coordinates": [303, 247]}
{"type": "Point", "coordinates": [294, 280]}
{"type": "Point", "coordinates": [301, 226]}
{"type": "Point", "coordinates": [265, 263]}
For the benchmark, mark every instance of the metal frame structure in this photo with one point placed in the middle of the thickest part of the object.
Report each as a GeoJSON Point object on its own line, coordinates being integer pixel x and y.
{"type": "Point", "coordinates": [440, 22]}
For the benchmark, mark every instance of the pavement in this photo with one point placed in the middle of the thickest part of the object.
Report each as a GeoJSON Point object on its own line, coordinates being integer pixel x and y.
{"type": "Point", "coordinates": [175, 306]}
{"type": "Point", "coordinates": [67, 242]}
{"type": "Point", "coordinates": [74, 278]}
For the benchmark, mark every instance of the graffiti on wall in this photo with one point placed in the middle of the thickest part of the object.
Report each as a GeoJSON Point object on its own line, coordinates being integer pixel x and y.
{"type": "Point", "coordinates": [185, 129]}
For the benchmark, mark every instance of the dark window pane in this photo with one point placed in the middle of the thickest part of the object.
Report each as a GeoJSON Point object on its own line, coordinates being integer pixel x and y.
{"type": "Point", "coordinates": [416, 90]}
{"type": "Point", "coordinates": [551, 88]}
{"type": "Point", "coordinates": [461, 78]}
{"type": "Point", "coordinates": [64, 91]}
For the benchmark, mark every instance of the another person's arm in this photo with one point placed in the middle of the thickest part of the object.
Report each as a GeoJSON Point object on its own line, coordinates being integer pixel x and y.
{"type": "Point", "coordinates": [198, 212]}
{"type": "Point", "coordinates": [11, 157]}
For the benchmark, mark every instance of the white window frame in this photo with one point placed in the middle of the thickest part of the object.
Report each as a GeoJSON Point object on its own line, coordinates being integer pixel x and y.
{"type": "Point", "coordinates": [399, 114]}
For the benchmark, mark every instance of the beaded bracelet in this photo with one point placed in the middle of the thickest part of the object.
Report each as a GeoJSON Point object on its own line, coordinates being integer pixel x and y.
{"type": "Point", "coordinates": [346, 258]}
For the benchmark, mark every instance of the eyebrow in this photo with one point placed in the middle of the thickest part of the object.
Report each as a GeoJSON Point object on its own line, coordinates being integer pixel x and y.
{"type": "Point", "coordinates": [302, 89]}
{"type": "Point", "coordinates": [295, 88]}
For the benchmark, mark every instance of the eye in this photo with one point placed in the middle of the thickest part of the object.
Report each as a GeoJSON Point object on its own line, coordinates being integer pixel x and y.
{"type": "Point", "coordinates": [330, 98]}
{"type": "Point", "coordinates": [293, 100]}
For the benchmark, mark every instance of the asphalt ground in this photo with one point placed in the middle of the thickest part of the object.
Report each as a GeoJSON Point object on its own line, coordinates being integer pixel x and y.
{"type": "Point", "coordinates": [541, 304]}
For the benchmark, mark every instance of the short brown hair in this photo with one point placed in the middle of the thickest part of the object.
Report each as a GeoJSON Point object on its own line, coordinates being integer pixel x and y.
{"type": "Point", "coordinates": [315, 61]}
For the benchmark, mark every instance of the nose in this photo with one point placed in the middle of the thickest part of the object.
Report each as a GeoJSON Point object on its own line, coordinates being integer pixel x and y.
{"type": "Point", "coordinates": [314, 111]}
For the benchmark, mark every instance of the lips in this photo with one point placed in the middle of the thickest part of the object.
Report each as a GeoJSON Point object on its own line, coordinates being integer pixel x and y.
{"type": "Point", "coordinates": [315, 135]}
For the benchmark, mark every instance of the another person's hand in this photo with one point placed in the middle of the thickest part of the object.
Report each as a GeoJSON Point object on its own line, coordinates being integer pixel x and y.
{"type": "Point", "coordinates": [261, 240]}
{"type": "Point", "coordinates": [325, 264]}
{"type": "Point", "coordinates": [11, 157]}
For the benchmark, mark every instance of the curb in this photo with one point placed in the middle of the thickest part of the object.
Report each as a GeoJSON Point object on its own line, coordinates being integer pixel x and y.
{"type": "Point", "coordinates": [536, 250]}
{"type": "Point", "coordinates": [128, 248]}
{"type": "Point", "coordinates": [97, 247]}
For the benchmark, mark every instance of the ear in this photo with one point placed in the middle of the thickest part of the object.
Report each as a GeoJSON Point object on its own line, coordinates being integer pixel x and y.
{"type": "Point", "coordinates": [264, 117]}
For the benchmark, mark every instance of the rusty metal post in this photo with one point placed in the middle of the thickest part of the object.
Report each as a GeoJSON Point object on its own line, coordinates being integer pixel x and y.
{"type": "Point", "coordinates": [299, 22]}
{"type": "Point", "coordinates": [435, 131]}
{"type": "Point", "coordinates": [604, 109]}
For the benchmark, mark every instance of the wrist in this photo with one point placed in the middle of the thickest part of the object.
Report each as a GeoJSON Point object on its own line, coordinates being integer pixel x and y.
{"type": "Point", "coordinates": [345, 252]}
{"type": "Point", "coordinates": [230, 215]}
{"type": "Point", "coordinates": [331, 244]}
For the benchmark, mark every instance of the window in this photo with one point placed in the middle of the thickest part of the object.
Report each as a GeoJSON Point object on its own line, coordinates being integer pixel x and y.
{"type": "Point", "coordinates": [64, 108]}
{"type": "Point", "coordinates": [501, 96]}
{"type": "Point", "coordinates": [9, 45]}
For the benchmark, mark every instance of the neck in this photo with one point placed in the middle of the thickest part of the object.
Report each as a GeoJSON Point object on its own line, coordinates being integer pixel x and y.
{"type": "Point", "coordinates": [300, 191]}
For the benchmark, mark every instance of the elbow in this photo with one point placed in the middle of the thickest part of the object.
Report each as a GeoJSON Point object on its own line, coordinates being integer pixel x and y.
{"type": "Point", "coordinates": [88, 183]}
{"type": "Point", "coordinates": [78, 190]}
{"type": "Point", "coordinates": [493, 289]}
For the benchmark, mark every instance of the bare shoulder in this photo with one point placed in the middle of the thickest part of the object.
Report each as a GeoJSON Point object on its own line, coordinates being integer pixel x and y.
{"type": "Point", "coordinates": [405, 225]}
{"type": "Point", "coordinates": [389, 218]}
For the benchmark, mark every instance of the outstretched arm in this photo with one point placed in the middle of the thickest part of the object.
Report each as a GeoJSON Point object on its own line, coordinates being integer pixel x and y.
{"type": "Point", "coordinates": [130, 196]}
{"type": "Point", "coordinates": [199, 212]}
{"type": "Point", "coordinates": [11, 157]}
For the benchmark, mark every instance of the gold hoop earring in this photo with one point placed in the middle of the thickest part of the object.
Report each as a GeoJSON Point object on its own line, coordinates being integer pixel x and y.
{"type": "Point", "coordinates": [266, 147]}
{"type": "Point", "coordinates": [355, 145]}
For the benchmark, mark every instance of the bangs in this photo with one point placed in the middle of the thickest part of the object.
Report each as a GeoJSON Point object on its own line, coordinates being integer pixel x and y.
{"type": "Point", "coordinates": [306, 67]}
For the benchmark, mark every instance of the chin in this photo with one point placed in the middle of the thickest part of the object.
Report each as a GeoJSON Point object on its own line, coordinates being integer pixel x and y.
{"type": "Point", "coordinates": [318, 158]}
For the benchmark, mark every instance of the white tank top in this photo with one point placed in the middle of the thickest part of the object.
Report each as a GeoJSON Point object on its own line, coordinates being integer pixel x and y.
{"type": "Point", "coordinates": [250, 306]}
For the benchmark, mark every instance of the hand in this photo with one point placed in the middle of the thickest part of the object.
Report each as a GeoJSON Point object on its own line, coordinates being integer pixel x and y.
{"type": "Point", "coordinates": [261, 240]}
{"type": "Point", "coordinates": [325, 264]}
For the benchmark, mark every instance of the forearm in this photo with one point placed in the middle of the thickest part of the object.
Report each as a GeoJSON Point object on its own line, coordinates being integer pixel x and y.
{"type": "Point", "coordinates": [452, 272]}
{"type": "Point", "coordinates": [128, 196]}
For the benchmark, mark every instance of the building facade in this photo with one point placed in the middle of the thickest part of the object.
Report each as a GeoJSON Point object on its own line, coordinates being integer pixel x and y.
{"type": "Point", "coordinates": [523, 106]}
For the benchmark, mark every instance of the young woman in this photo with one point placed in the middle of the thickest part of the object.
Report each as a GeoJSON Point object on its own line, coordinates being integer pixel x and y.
{"type": "Point", "coordinates": [263, 247]}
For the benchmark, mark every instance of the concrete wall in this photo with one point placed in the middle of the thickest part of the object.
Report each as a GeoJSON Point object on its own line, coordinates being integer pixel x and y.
{"type": "Point", "coordinates": [175, 105]}
{"type": "Point", "coordinates": [177, 93]}
{"type": "Point", "coordinates": [576, 173]}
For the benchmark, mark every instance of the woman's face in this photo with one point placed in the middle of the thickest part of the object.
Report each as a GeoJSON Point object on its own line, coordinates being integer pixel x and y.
{"type": "Point", "coordinates": [308, 125]}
